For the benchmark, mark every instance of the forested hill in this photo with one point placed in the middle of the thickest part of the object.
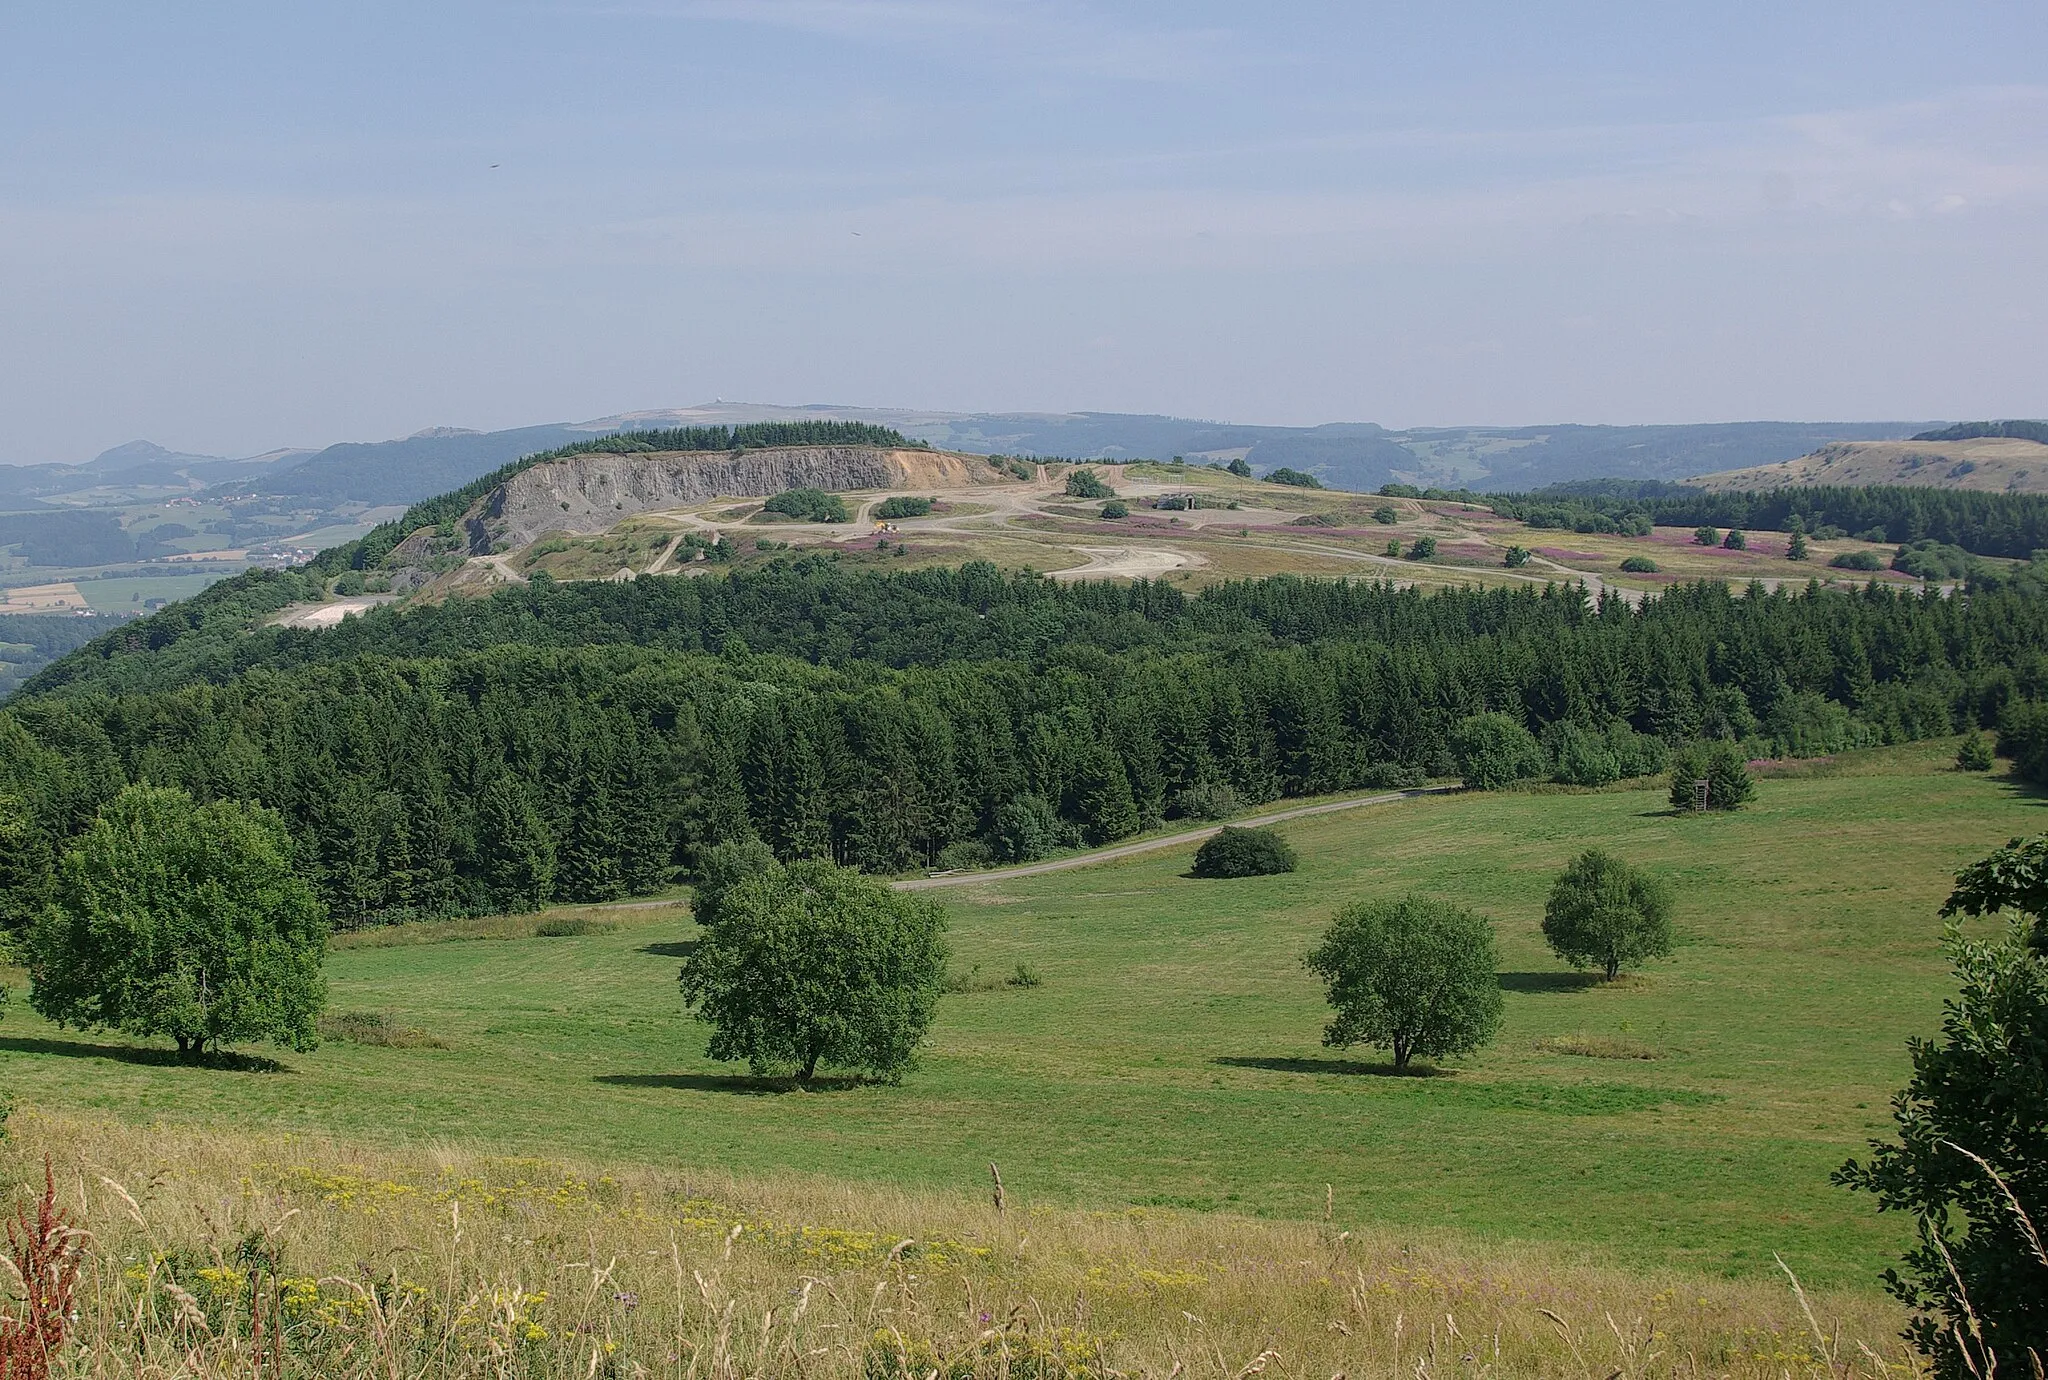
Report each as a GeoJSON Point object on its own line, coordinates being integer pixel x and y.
{"type": "Point", "coordinates": [585, 742]}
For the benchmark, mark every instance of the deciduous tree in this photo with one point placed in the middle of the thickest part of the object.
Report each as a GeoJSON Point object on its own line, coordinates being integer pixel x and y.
{"type": "Point", "coordinates": [184, 920]}
{"type": "Point", "coordinates": [1604, 913]}
{"type": "Point", "coordinates": [1414, 976]}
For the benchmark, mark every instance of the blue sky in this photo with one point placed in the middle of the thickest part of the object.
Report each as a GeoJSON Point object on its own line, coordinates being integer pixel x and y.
{"type": "Point", "coordinates": [230, 227]}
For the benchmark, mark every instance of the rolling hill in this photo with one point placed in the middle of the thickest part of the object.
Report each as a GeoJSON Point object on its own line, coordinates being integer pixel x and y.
{"type": "Point", "coordinates": [1996, 464]}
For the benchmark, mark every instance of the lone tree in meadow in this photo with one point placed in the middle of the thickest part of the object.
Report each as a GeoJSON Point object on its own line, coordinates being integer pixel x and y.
{"type": "Point", "coordinates": [1414, 976]}
{"type": "Point", "coordinates": [171, 918]}
{"type": "Point", "coordinates": [1721, 766]}
{"type": "Point", "coordinates": [813, 964]}
{"type": "Point", "coordinates": [1971, 1160]}
{"type": "Point", "coordinates": [1232, 852]}
{"type": "Point", "coordinates": [1603, 913]}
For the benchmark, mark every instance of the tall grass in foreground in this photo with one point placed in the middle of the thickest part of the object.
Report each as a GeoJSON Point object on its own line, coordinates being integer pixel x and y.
{"type": "Point", "coordinates": [270, 1257]}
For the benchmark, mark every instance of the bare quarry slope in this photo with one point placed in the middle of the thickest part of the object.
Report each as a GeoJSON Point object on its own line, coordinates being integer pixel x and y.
{"type": "Point", "coordinates": [584, 494]}
{"type": "Point", "coordinates": [1997, 463]}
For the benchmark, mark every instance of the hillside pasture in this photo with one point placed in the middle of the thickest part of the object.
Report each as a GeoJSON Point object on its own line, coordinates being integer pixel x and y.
{"type": "Point", "coordinates": [1684, 1118]}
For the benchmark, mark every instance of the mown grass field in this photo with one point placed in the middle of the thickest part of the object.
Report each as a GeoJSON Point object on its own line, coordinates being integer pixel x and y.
{"type": "Point", "coordinates": [1173, 1055]}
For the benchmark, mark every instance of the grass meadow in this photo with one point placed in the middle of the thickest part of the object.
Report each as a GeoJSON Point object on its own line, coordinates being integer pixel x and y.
{"type": "Point", "coordinates": [1678, 1124]}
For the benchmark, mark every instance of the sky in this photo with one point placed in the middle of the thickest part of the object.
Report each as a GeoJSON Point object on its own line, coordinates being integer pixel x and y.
{"type": "Point", "coordinates": [231, 227]}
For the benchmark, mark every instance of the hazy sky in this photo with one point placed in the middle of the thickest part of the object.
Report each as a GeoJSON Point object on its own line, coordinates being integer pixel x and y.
{"type": "Point", "coordinates": [227, 227]}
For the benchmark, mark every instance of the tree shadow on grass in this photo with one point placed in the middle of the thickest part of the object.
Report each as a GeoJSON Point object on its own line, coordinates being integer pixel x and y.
{"type": "Point", "coordinates": [671, 948]}
{"type": "Point", "coordinates": [2022, 790]}
{"type": "Point", "coordinates": [1548, 982]}
{"type": "Point", "coordinates": [1345, 1067]}
{"type": "Point", "coordinates": [743, 1084]}
{"type": "Point", "coordinates": [225, 1060]}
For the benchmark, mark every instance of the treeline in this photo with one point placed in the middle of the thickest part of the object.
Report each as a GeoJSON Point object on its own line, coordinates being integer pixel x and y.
{"type": "Point", "coordinates": [368, 551]}
{"type": "Point", "coordinates": [1971, 431]}
{"type": "Point", "coordinates": [527, 747]}
{"type": "Point", "coordinates": [1981, 523]}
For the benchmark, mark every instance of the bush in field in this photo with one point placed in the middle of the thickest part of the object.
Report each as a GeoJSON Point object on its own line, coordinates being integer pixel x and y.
{"type": "Point", "coordinates": [1026, 827]}
{"type": "Point", "coordinates": [815, 965]}
{"type": "Point", "coordinates": [901, 506]}
{"type": "Point", "coordinates": [171, 918]}
{"type": "Point", "coordinates": [1639, 565]}
{"type": "Point", "coordinates": [1971, 1160]}
{"type": "Point", "coordinates": [1516, 558]}
{"type": "Point", "coordinates": [1116, 508]}
{"type": "Point", "coordinates": [1493, 750]}
{"type": "Point", "coordinates": [1974, 754]}
{"type": "Point", "coordinates": [1414, 976]}
{"type": "Point", "coordinates": [812, 505]}
{"type": "Point", "coordinates": [1385, 515]}
{"type": "Point", "coordinates": [1795, 549]}
{"type": "Point", "coordinates": [1721, 765]}
{"type": "Point", "coordinates": [1086, 483]}
{"type": "Point", "coordinates": [1423, 549]}
{"type": "Point", "coordinates": [1243, 853]}
{"type": "Point", "coordinates": [1857, 560]}
{"type": "Point", "coordinates": [1735, 540]}
{"type": "Point", "coordinates": [1603, 913]}
{"type": "Point", "coordinates": [1707, 536]}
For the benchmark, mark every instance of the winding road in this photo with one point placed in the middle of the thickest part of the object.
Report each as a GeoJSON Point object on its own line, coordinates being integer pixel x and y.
{"type": "Point", "coordinates": [1125, 850]}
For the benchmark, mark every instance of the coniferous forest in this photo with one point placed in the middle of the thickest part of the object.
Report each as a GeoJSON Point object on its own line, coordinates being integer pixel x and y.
{"type": "Point", "coordinates": [589, 741]}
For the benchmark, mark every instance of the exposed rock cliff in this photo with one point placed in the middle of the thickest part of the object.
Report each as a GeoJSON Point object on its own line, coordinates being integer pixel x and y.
{"type": "Point", "coordinates": [591, 493]}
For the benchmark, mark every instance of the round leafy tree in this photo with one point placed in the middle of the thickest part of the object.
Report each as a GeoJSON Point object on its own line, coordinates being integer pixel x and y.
{"type": "Point", "coordinates": [813, 964]}
{"type": "Point", "coordinates": [1603, 913]}
{"type": "Point", "coordinates": [1086, 483]}
{"type": "Point", "coordinates": [184, 920]}
{"type": "Point", "coordinates": [1232, 852]}
{"type": "Point", "coordinates": [1414, 976]}
{"type": "Point", "coordinates": [1026, 827]}
{"type": "Point", "coordinates": [1971, 1160]}
{"type": "Point", "coordinates": [1721, 766]}
{"type": "Point", "coordinates": [1494, 750]}
{"type": "Point", "coordinates": [1639, 565]}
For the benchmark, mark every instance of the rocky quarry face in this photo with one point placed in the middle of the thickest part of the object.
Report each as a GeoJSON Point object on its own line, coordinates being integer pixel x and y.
{"type": "Point", "coordinates": [589, 494]}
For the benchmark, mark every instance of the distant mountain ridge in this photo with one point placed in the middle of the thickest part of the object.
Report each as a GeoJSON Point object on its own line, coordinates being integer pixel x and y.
{"type": "Point", "coordinates": [1345, 455]}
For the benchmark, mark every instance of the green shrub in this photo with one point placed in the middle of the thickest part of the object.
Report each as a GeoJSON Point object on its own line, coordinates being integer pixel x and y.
{"type": "Point", "coordinates": [1857, 560]}
{"type": "Point", "coordinates": [1204, 800]}
{"type": "Point", "coordinates": [1795, 550]}
{"type": "Point", "coordinates": [1735, 540]}
{"type": "Point", "coordinates": [1232, 852]}
{"type": "Point", "coordinates": [1932, 560]}
{"type": "Point", "coordinates": [901, 506]}
{"type": "Point", "coordinates": [1385, 515]}
{"type": "Point", "coordinates": [1116, 508]}
{"type": "Point", "coordinates": [1299, 480]}
{"type": "Point", "coordinates": [1517, 557]}
{"type": "Point", "coordinates": [1493, 750]}
{"type": "Point", "coordinates": [1086, 483]}
{"type": "Point", "coordinates": [1974, 754]}
{"type": "Point", "coordinates": [812, 505]}
{"type": "Point", "coordinates": [1639, 565]}
{"type": "Point", "coordinates": [1424, 549]}
{"type": "Point", "coordinates": [1706, 536]}
{"type": "Point", "coordinates": [1026, 828]}
{"type": "Point", "coordinates": [1720, 764]}
{"type": "Point", "coordinates": [1024, 975]}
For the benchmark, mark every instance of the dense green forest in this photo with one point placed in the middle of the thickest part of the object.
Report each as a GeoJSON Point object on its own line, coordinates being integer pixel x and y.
{"type": "Point", "coordinates": [446, 508]}
{"type": "Point", "coordinates": [75, 538]}
{"type": "Point", "coordinates": [1983, 524]}
{"type": "Point", "coordinates": [28, 641]}
{"type": "Point", "coordinates": [584, 741]}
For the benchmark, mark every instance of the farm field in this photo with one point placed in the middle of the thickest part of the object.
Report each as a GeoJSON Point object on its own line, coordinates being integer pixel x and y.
{"type": "Point", "coordinates": [127, 595]}
{"type": "Point", "coordinates": [1172, 1057]}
